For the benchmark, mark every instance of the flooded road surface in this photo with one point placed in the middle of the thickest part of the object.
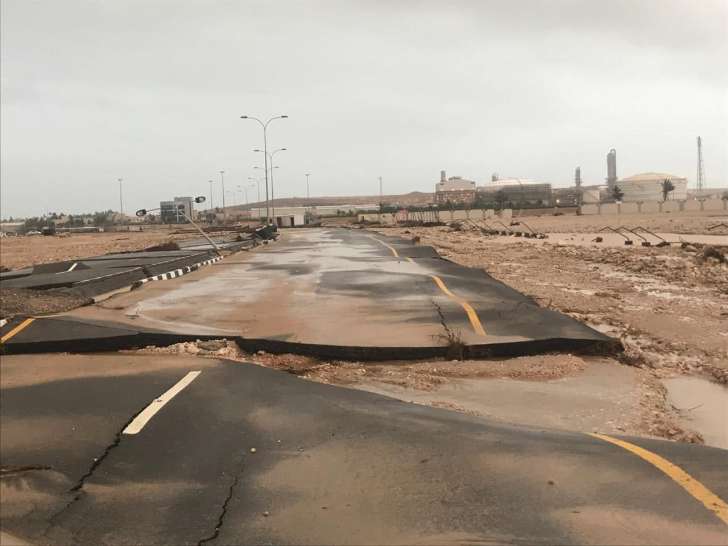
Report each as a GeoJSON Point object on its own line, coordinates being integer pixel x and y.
{"type": "Point", "coordinates": [346, 288]}
{"type": "Point", "coordinates": [703, 406]}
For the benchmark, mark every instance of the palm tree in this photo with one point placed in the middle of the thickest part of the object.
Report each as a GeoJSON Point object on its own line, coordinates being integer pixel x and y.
{"type": "Point", "coordinates": [617, 193]}
{"type": "Point", "coordinates": [667, 187]}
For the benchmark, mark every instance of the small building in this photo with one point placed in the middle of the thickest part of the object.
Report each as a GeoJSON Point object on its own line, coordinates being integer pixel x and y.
{"type": "Point", "coordinates": [11, 227]}
{"type": "Point", "coordinates": [454, 190]}
{"type": "Point", "coordinates": [173, 212]}
{"type": "Point", "coordinates": [593, 194]}
{"type": "Point", "coordinates": [647, 187]}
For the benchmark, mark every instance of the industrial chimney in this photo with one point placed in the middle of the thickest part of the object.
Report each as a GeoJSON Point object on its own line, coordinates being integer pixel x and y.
{"type": "Point", "coordinates": [611, 169]}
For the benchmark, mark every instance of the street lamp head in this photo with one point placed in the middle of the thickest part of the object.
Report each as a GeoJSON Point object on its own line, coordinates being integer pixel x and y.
{"type": "Point", "coordinates": [284, 117]}
{"type": "Point", "coordinates": [141, 212]}
{"type": "Point", "coordinates": [257, 150]}
{"type": "Point", "coordinates": [243, 117]}
{"type": "Point", "coordinates": [200, 199]}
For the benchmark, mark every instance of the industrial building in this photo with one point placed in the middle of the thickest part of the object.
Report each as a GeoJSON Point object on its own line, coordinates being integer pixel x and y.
{"type": "Point", "coordinates": [516, 191]}
{"type": "Point", "coordinates": [454, 190]}
{"type": "Point", "coordinates": [647, 187]}
{"type": "Point", "coordinates": [566, 197]}
{"type": "Point", "coordinates": [173, 212]}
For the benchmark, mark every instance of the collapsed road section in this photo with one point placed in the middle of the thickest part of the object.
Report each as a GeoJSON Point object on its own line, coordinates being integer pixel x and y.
{"type": "Point", "coordinates": [333, 293]}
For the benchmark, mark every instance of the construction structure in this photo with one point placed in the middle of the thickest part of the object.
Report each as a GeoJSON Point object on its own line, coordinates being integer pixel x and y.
{"type": "Point", "coordinates": [700, 179]}
{"type": "Point", "coordinates": [454, 190]}
{"type": "Point", "coordinates": [611, 170]}
{"type": "Point", "coordinates": [646, 187]}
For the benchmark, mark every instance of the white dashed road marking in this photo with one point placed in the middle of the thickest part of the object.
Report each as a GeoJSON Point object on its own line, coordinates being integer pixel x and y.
{"type": "Point", "coordinates": [150, 411]}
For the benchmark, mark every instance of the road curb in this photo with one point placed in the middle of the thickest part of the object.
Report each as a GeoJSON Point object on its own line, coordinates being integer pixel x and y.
{"type": "Point", "coordinates": [178, 272]}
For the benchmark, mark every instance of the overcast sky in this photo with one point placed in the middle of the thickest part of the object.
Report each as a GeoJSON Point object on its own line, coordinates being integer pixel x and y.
{"type": "Point", "coordinates": [151, 91]}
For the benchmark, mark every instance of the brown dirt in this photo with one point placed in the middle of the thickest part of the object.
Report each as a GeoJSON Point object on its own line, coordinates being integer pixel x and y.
{"type": "Point", "coordinates": [694, 222]}
{"type": "Point", "coordinates": [669, 306]}
{"type": "Point", "coordinates": [19, 252]}
{"type": "Point", "coordinates": [21, 301]}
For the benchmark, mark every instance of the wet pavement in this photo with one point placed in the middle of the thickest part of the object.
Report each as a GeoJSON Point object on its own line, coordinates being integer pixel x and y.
{"type": "Point", "coordinates": [341, 287]}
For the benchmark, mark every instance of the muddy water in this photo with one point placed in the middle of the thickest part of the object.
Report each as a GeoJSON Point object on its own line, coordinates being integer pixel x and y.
{"type": "Point", "coordinates": [703, 406]}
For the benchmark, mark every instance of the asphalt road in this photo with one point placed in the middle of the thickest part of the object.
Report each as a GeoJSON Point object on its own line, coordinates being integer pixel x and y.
{"type": "Point", "coordinates": [330, 465]}
{"type": "Point", "coordinates": [337, 287]}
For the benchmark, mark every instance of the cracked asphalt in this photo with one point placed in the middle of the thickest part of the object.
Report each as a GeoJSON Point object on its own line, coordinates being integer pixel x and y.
{"type": "Point", "coordinates": [246, 454]}
{"type": "Point", "coordinates": [332, 287]}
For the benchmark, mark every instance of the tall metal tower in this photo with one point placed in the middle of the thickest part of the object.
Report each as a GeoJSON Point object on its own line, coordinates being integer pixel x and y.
{"type": "Point", "coordinates": [612, 169]}
{"type": "Point", "coordinates": [701, 167]}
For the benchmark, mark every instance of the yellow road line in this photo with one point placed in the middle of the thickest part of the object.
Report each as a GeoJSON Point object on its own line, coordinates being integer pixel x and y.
{"type": "Point", "coordinates": [709, 499]}
{"type": "Point", "coordinates": [19, 328]}
{"type": "Point", "coordinates": [394, 250]}
{"type": "Point", "coordinates": [472, 315]}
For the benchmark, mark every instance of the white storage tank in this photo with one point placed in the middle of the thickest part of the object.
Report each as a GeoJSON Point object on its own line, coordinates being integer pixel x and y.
{"type": "Point", "coordinates": [647, 187]}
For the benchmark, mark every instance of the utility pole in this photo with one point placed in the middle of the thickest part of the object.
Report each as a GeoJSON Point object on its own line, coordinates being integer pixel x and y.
{"type": "Point", "coordinates": [264, 125]}
{"type": "Point", "coordinates": [380, 199]}
{"type": "Point", "coordinates": [701, 168]}
{"type": "Point", "coordinates": [222, 181]}
{"type": "Point", "coordinates": [121, 197]}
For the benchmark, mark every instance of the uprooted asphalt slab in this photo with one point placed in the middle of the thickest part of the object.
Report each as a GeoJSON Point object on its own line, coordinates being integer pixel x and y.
{"type": "Point", "coordinates": [248, 455]}
{"type": "Point", "coordinates": [61, 286]}
{"type": "Point", "coordinates": [574, 392]}
{"type": "Point", "coordinates": [331, 293]}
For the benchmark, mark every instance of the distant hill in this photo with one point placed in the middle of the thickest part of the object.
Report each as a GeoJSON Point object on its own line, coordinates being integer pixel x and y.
{"type": "Point", "coordinates": [412, 198]}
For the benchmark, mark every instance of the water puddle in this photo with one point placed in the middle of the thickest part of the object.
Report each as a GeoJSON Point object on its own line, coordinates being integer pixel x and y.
{"type": "Point", "coordinates": [703, 406]}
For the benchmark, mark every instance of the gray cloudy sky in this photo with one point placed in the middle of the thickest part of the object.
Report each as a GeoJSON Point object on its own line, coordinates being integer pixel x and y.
{"type": "Point", "coordinates": [151, 91]}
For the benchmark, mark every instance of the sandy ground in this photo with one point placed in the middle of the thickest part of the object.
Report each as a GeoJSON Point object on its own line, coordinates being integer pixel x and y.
{"type": "Point", "coordinates": [673, 223]}
{"type": "Point", "coordinates": [558, 391]}
{"type": "Point", "coordinates": [668, 305]}
{"type": "Point", "coordinates": [19, 252]}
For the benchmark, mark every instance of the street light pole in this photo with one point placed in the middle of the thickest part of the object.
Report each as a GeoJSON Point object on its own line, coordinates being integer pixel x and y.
{"type": "Point", "coordinates": [270, 158]}
{"type": "Point", "coordinates": [380, 198]}
{"type": "Point", "coordinates": [121, 198]}
{"type": "Point", "coordinates": [264, 125]}
{"type": "Point", "coordinates": [257, 185]}
{"type": "Point", "coordinates": [222, 182]}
